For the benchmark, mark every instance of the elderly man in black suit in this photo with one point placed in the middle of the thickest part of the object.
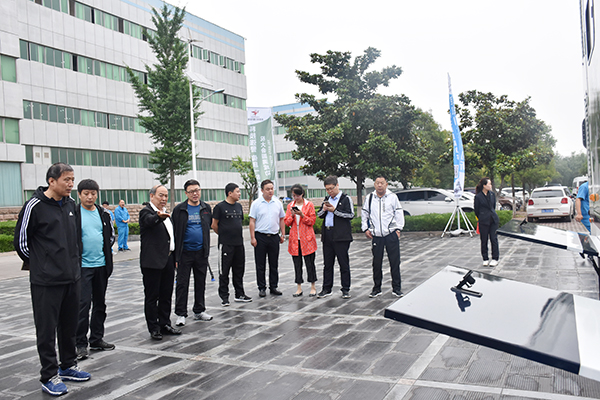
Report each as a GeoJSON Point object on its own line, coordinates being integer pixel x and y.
{"type": "Point", "coordinates": [157, 260]}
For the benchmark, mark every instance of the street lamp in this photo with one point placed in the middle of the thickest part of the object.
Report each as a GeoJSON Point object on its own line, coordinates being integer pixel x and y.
{"type": "Point", "coordinates": [192, 127]}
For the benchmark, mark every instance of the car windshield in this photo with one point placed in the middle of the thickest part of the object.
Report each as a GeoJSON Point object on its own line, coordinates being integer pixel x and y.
{"type": "Point", "coordinates": [542, 194]}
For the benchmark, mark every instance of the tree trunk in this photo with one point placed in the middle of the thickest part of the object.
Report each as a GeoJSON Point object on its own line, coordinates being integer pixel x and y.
{"type": "Point", "coordinates": [514, 199]}
{"type": "Point", "coordinates": [359, 187]}
{"type": "Point", "coordinates": [172, 191]}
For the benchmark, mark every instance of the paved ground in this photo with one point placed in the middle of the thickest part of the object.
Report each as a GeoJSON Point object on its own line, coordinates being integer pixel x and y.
{"type": "Point", "coordinates": [307, 348]}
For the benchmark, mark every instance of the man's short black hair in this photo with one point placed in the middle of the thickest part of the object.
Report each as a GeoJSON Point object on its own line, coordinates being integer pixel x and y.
{"type": "Point", "coordinates": [105, 203]}
{"type": "Point", "coordinates": [330, 180]}
{"type": "Point", "coordinates": [265, 183]}
{"type": "Point", "coordinates": [230, 188]}
{"type": "Point", "coordinates": [380, 176]}
{"type": "Point", "coordinates": [88, 184]}
{"type": "Point", "coordinates": [190, 182]}
{"type": "Point", "coordinates": [56, 170]}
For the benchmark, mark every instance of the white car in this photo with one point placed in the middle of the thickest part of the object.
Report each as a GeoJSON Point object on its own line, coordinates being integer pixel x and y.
{"type": "Point", "coordinates": [550, 202]}
{"type": "Point", "coordinates": [431, 201]}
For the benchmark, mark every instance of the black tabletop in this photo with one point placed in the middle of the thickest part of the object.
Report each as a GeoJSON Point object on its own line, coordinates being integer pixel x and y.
{"type": "Point", "coordinates": [526, 320]}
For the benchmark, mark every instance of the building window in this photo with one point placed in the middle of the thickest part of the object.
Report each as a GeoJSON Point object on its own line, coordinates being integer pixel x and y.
{"type": "Point", "coordinates": [8, 68]}
{"type": "Point", "coordinates": [9, 130]}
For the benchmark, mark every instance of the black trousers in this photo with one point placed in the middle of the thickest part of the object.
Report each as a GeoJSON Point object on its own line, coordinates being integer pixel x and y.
{"type": "Point", "coordinates": [233, 258]}
{"type": "Point", "coordinates": [488, 232]}
{"type": "Point", "coordinates": [331, 250]}
{"type": "Point", "coordinates": [191, 261]}
{"type": "Point", "coordinates": [55, 311]}
{"type": "Point", "coordinates": [309, 260]}
{"type": "Point", "coordinates": [267, 245]}
{"type": "Point", "coordinates": [93, 293]}
{"type": "Point", "coordinates": [391, 243]}
{"type": "Point", "coordinates": [158, 290]}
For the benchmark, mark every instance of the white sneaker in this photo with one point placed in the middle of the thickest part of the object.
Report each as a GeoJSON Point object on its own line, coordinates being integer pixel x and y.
{"type": "Point", "coordinates": [486, 263]}
{"type": "Point", "coordinates": [180, 321]}
{"type": "Point", "coordinates": [493, 263]}
{"type": "Point", "coordinates": [203, 316]}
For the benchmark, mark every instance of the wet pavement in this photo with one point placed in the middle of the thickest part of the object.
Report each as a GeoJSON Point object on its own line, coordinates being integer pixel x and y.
{"type": "Point", "coordinates": [305, 348]}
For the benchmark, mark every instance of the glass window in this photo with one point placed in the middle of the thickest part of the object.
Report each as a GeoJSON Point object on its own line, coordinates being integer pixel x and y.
{"type": "Point", "coordinates": [78, 157]}
{"type": "Point", "coordinates": [67, 60]}
{"type": "Point", "coordinates": [11, 131]}
{"type": "Point", "coordinates": [100, 158]}
{"type": "Point", "coordinates": [26, 109]}
{"type": "Point", "coordinates": [54, 155]}
{"type": "Point", "coordinates": [65, 6]}
{"type": "Point", "coordinates": [94, 158]}
{"type": "Point", "coordinates": [97, 67]}
{"type": "Point", "coordinates": [24, 49]}
{"type": "Point", "coordinates": [84, 118]}
{"type": "Point", "coordinates": [44, 111]}
{"type": "Point", "coordinates": [101, 120]}
{"type": "Point", "coordinates": [127, 160]}
{"type": "Point", "coordinates": [37, 113]}
{"type": "Point", "coordinates": [69, 115]}
{"type": "Point", "coordinates": [70, 156]}
{"type": "Point", "coordinates": [52, 113]}
{"type": "Point", "coordinates": [8, 68]}
{"type": "Point", "coordinates": [62, 155]}
{"type": "Point", "coordinates": [87, 157]}
{"type": "Point", "coordinates": [29, 154]}
{"type": "Point", "coordinates": [61, 114]}
{"type": "Point", "coordinates": [118, 122]}
{"type": "Point", "coordinates": [98, 17]}
{"type": "Point", "coordinates": [49, 56]}
{"type": "Point", "coordinates": [56, 5]}
{"type": "Point", "coordinates": [76, 116]}
{"type": "Point", "coordinates": [109, 74]}
{"type": "Point", "coordinates": [34, 52]}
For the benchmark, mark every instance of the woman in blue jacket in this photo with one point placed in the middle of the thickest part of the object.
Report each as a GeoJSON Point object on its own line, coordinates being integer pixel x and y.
{"type": "Point", "coordinates": [485, 210]}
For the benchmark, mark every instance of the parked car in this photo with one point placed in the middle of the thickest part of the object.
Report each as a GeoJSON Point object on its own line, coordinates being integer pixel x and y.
{"type": "Point", "coordinates": [431, 201]}
{"type": "Point", "coordinates": [507, 192]}
{"type": "Point", "coordinates": [503, 202]}
{"type": "Point", "coordinates": [550, 202]}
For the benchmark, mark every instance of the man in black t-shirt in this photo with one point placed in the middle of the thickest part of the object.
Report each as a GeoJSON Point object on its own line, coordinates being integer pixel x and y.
{"type": "Point", "coordinates": [227, 223]}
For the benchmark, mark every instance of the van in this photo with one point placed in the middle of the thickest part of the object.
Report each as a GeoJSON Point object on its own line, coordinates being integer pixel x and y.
{"type": "Point", "coordinates": [578, 181]}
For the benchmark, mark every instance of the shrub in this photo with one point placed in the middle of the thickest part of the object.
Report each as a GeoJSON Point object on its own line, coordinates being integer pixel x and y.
{"type": "Point", "coordinates": [6, 243]}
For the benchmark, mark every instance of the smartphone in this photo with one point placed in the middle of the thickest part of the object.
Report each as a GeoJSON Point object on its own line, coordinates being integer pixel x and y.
{"type": "Point", "coordinates": [295, 208]}
{"type": "Point", "coordinates": [327, 203]}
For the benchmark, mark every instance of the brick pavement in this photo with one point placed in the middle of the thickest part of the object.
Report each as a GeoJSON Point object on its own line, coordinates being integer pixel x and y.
{"type": "Point", "coordinates": [306, 348]}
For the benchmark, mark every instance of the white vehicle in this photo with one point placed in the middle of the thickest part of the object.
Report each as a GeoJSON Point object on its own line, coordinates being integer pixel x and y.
{"type": "Point", "coordinates": [431, 201]}
{"type": "Point", "coordinates": [550, 202]}
{"type": "Point", "coordinates": [578, 181]}
{"type": "Point", "coordinates": [507, 192]}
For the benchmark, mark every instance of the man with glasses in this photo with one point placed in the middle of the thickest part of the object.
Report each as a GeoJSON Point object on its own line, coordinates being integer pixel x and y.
{"type": "Point", "coordinates": [191, 221]}
{"type": "Point", "coordinates": [337, 210]}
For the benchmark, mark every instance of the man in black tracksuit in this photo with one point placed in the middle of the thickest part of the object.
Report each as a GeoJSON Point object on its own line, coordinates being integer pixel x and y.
{"type": "Point", "coordinates": [46, 239]}
{"type": "Point", "coordinates": [337, 211]}
{"type": "Point", "coordinates": [191, 223]}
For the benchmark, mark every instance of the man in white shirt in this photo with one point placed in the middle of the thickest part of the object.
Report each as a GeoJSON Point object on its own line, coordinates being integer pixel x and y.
{"type": "Point", "coordinates": [382, 221]}
{"type": "Point", "coordinates": [267, 231]}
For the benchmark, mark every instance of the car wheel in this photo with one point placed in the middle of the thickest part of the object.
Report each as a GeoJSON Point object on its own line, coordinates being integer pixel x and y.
{"type": "Point", "coordinates": [506, 207]}
{"type": "Point", "coordinates": [569, 218]}
{"type": "Point", "coordinates": [406, 214]}
{"type": "Point", "coordinates": [529, 219]}
{"type": "Point", "coordinates": [467, 210]}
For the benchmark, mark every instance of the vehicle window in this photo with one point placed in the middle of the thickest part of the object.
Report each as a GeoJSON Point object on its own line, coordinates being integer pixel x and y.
{"type": "Point", "coordinates": [435, 196]}
{"type": "Point", "coordinates": [411, 196]}
{"type": "Point", "coordinates": [543, 194]}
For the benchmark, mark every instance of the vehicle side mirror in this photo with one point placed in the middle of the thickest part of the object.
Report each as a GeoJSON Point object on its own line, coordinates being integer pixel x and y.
{"type": "Point", "coordinates": [448, 200]}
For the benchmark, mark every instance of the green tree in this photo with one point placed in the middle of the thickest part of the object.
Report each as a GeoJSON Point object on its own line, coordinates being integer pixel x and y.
{"type": "Point", "coordinates": [246, 171]}
{"type": "Point", "coordinates": [357, 133]}
{"type": "Point", "coordinates": [502, 136]}
{"type": "Point", "coordinates": [570, 167]}
{"type": "Point", "coordinates": [436, 171]}
{"type": "Point", "coordinates": [165, 99]}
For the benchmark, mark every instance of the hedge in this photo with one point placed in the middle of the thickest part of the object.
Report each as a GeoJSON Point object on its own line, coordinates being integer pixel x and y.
{"type": "Point", "coordinates": [426, 222]}
{"type": "Point", "coordinates": [6, 243]}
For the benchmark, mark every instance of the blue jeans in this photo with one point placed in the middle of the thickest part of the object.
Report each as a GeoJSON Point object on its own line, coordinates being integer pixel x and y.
{"type": "Point", "coordinates": [123, 235]}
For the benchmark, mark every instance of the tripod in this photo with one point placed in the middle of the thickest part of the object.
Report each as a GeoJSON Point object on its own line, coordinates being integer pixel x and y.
{"type": "Point", "coordinates": [458, 213]}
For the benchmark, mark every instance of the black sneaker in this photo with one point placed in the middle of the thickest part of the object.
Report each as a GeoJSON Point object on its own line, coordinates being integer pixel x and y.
{"type": "Point", "coordinates": [323, 293]}
{"type": "Point", "coordinates": [398, 293]}
{"type": "Point", "coordinates": [101, 346]}
{"type": "Point", "coordinates": [225, 303]}
{"type": "Point", "coordinates": [375, 293]}
{"type": "Point", "coordinates": [243, 299]}
{"type": "Point", "coordinates": [262, 293]}
{"type": "Point", "coordinates": [82, 352]}
{"type": "Point", "coordinates": [345, 294]}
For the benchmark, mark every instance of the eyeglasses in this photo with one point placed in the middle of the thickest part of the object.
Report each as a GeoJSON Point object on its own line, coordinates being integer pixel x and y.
{"type": "Point", "coordinates": [195, 191]}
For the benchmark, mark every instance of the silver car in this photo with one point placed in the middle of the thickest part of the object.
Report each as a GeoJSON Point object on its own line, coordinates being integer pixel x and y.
{"type": "Point", "coordinates": [431, 201]}
{"type": "Point", "coordinates": [550, 202]}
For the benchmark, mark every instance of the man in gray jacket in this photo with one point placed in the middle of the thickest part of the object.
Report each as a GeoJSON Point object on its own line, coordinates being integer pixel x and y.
{"type": "Point", "coordinates": [382, 221]}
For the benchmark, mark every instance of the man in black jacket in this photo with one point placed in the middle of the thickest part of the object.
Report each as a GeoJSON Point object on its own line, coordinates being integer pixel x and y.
{"type": "Point", "coordinates": [46, 239]}
{"type": "Point", "coordinates": [338, 211]}
{"type": "Point", "coordinates": [191, 221]}
{"type": "Point", "coordinates": [96, 240]}
{"type": "Point", "coordinates": [157, 261]}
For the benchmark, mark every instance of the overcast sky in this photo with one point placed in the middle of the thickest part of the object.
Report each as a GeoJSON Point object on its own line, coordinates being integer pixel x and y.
{"type": "Point", "coordinates": [519, 48]}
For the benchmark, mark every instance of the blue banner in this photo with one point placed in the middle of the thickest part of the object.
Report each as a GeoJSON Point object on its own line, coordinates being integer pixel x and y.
{"type": "Point", "coordinates": [459, 154]}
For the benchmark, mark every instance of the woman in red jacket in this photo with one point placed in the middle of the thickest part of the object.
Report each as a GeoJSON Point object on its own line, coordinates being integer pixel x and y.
{"type": "Point", "coordinates": [300, 217]}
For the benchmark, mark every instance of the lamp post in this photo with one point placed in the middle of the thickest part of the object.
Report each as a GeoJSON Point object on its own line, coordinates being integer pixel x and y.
{"type": "Point", "coordinates": [192, 127]}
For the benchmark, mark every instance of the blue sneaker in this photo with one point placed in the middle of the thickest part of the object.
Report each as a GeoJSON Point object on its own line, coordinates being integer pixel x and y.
{"type": "Point", "coordinates": [55, 386]}
{"type": "Point", "coordinates": [74, 374]}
